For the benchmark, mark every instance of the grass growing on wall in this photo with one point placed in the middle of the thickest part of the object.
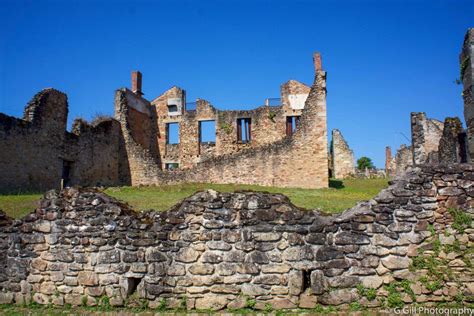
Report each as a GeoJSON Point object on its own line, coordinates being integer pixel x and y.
{"type": "Point", "coordinates": [340, 196]}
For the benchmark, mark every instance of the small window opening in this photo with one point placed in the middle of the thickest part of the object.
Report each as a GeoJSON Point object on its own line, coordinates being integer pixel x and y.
{"type": "Point", "coordinates": [207, 132]}
{"type": "Point", "coordinates": [132, 284]}
{"type": "Point", "coordinates": [172, 166]}
{"type": "Point", "coordinates": [172, 108]}
{"type": "Point", "coordinates": [306, 279]}
{"type": "Point", "coordinates": [172, 133]}
{"type": "Point", "coordinates": [66, 173]}
{"type": "Point", "coordinates": [292, 123]}
{"type": "Point", "coordinates": [244, 130]}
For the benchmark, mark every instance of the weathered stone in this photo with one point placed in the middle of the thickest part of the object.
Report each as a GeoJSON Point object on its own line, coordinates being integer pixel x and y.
{"type": "Point", "coordinates": [276, 268]}
{"type": "Point", "coordinates": [187, 255]}
{"type": "Point", "coordinates": [201, 269]}
{"type": "Point", "coordinates": [308, 301]}
{"type": "Point", "coordinates": [211, 302]}
{"type": "Point", "coordinates": [338, 297]}
{"type": "Point", "coordinates": [395, 262]}
{"type": "Point", "coordinates": [328, 253]}
{"type": "Point", "coordinates": [253, 290]}
{"type": "Point", "coordinates": [87, 278]}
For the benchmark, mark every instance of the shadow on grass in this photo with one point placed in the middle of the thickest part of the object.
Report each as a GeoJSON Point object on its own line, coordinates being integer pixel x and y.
{"type": "Point", "coordinates": [336, 184]}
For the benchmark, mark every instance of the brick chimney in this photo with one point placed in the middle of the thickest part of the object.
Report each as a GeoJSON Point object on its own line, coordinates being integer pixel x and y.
{"type": "Point", "coordinates": [388, 159]}
{"type": "Point", "coordinates": [137, 83]}
{"type": "Point", "coordinates": [318, 65]}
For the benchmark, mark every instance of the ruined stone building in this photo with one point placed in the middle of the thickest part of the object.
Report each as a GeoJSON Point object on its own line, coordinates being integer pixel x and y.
{"type": "Point", "coordinates": [467, 78]}
{"type": "Point", "coordinates": [162, 141]}
{"type": "Point", "coordinates": [436, 142]}
{"type": "Point", "coordinates": [342, 161]}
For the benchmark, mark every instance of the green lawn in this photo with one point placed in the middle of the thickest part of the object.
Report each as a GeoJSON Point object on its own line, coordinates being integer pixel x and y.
{"type": "Point", "coordinates": [341, 195]}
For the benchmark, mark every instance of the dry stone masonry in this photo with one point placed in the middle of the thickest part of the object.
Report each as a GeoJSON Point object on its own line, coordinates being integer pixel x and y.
{"type": "Point", "coordinates": [224, 250]}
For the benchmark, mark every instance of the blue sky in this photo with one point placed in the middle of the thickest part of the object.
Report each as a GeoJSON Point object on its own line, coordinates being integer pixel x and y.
{"type": "Point", "coordinates": [384, 59]}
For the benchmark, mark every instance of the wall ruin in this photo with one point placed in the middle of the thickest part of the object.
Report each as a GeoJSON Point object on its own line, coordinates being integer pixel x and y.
{"type": "Point", "coordinates": [269, 158]}
{"type": "Point", "coordinates": [38, 153]}
{"type": "Point", "coordinates": [342, 157]}
{"type": "Point", "coordinates": [466, 60]}
{"type": "Point", "coordinates": [219, 250]}
{"type": "Point", "coordinates": [425, 134]}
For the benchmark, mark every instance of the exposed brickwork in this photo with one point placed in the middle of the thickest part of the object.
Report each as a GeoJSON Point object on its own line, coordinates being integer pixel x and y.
{"type": "Point", "coordinates": [217, 250]}
{"type": "Point", "coordinates": [342, 157]}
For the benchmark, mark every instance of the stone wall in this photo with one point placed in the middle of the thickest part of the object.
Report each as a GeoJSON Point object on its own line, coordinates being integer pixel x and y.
{"type": "Point", "coordinates": [466, 60]}
{"type": "Point", "coordinates": [35, 148]}
{"type": "Point", "coordinates": [217, 250]}
{"type": "Point", "coordinates": [342, 157]}
{"type": "Point", "coordinates": [402, 161]}
{"type": "Point", "coordinates": [297, 160]}
{"type": "Point", "coordinates": [452, 146]}
{"type": "Point", "coordinates": [268, 123]}
{"type": "Point", "coordinates": [425, 134]}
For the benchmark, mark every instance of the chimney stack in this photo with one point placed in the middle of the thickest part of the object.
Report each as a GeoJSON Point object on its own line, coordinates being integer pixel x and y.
{"type": "Point", "coordinates": [137, 83]}
{"type": "Point", "coordinates": [318, 65]}
{"type": "Point", "coordinates": [388, 159]}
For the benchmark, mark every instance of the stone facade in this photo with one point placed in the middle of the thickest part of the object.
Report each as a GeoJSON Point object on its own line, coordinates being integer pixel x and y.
{"type": "Point", "coordinates": [217, 250]}
{"type": "Point", "coordinates": [277, 153]}
{"type": "Point", "coordinates": [39, 154]}
{"type": "Point", "coordinates": [425, 134]}
{"type": "Point", "coordinates": [466, 60]}
{"type": "Point", "coordinates": [282, 145]}
{"type": "Point", "coordinates": [342, 157]}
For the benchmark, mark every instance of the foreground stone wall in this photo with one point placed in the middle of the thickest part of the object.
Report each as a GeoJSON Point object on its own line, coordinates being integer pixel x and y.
{"type": "Point", "coordinates": [217, 250]}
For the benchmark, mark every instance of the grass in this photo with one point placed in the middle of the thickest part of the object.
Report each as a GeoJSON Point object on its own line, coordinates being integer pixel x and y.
{"type": "Point", "coordinates": [18, 205]}
{"type": "Point", "coordinates": [340, 196]}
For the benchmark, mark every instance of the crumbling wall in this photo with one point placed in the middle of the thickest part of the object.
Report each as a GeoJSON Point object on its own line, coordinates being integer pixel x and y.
{"type": "Point", "coordinates": [402, 160]}
{"type": "Point", "coordinates": [97, 153]}
{"type": "Point", "coordinates": [296, 161]}
{"type": "Point", "coordinates": [342, 157]}
{"type": "Point", "coordinates": [388, 161]}
{"type": "Point", "coordinates": [31, 154]}
{"type": "Point", "coordinates": [268, 124]}
{"type": "Point", "coordinates": [425, 136]}
{"type": "Point", "coordinates": [452, 146]}
{"type": "Point", "coordinates": [268, 159]}
{"type": "Point", "coordinates": [144, 164]}
{"type": "Point", "coordinates": [35, 148]}
{"type": "Point", "coordinates": [466, 60]}
{"type": "Point", "coordinates": [217, 250]}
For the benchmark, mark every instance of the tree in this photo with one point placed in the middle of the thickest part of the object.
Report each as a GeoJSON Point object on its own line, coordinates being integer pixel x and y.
{"type": "Point", "coordinates": [364, 162]}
